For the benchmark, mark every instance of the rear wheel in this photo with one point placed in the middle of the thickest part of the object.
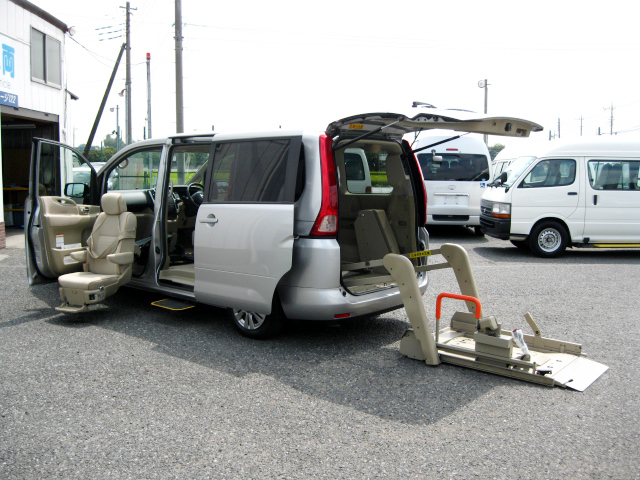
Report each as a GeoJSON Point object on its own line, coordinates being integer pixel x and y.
{"type": "Point", "coordinates": [259, 325]}
{"type": "Point", "coordinates": [478, 232]}
{"type": "Point", "coordinates": [548, 239]}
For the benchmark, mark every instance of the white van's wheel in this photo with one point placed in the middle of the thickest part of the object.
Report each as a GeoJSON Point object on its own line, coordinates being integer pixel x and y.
{"type": "Point", "coordinates": [258, 325]}
{"type": "Point", "coordinates": [478, 232]}
{"type": "Point", "coordinates": [548, 239]}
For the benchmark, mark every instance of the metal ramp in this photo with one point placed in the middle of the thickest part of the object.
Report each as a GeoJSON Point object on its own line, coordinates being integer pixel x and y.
{"type": "Point", "coordinates": [476, 341]}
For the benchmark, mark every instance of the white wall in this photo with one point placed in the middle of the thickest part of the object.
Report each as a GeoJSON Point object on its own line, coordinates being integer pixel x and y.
{"type": "Point", "coordinates": [15, 31]}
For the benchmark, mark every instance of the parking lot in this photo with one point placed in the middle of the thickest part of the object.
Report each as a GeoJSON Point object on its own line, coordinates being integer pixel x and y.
{"type": "Point", "coordinates": [128, 390]}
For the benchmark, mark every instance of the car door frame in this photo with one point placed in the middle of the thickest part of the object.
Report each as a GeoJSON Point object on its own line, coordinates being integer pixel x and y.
{"type": "Point", "coordinates": [250, 286]}
{"type": "Point", "coordinates": [38, 262]}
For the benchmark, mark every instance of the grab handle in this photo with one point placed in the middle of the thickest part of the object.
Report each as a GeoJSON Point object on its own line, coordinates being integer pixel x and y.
{"type": "Point", "coordinates": [456, 296]}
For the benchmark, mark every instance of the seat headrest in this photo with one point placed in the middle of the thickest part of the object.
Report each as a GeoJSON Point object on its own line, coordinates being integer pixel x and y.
{"type": "Point", "coordinates": [113, 203]}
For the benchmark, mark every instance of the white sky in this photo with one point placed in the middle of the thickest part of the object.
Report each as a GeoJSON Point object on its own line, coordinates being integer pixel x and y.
{"type": "Point", "coordinates": [301, 64]}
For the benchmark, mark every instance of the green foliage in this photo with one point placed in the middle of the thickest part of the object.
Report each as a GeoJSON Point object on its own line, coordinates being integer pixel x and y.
{"type": "Point", "coordinates": [495, 149]}
{"type": "Point", "coordinates": [100, 155]}
{"type": "Point", "coordinates": [111, 141]}
{"type": "Point", "coordinates": [379, 179]}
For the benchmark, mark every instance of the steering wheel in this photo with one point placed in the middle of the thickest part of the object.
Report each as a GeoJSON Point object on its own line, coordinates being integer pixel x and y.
{"type": "Point", "coordinates": [195, 194]}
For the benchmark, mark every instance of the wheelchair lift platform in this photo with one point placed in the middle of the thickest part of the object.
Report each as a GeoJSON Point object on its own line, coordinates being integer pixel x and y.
{"type": "Point", "coordinates": [476, 341]}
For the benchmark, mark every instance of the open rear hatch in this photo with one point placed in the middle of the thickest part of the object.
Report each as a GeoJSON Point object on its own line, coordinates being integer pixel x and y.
{"type": "Point", "coordinates": [396, 125]}
{"type": "Point", "coordinates": [380, 185]}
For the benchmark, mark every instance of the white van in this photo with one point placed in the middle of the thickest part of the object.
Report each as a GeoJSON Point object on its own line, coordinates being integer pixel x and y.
{"type": "Point", "coordinates": [456, 171]}
{"type": "Point", "coordinates": [571, 193]}
{"type": "Point", "coordinates": [269, 225]}
{"type": "Point", "coordinates": [357, 170]}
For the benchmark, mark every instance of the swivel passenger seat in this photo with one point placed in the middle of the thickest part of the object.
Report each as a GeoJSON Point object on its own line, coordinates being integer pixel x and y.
{"type": "Point", "coordinates": [107, 261]}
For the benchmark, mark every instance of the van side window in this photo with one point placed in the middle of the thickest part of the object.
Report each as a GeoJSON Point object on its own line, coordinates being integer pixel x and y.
{"type": "Point", "coordinates": [250, 171]}
{"type": "Point", "coordinates": [614, 174]}
{"type": "Point", "coordinates": [139, 171]}
{"type": "Point", "coordinates": [551, 173]}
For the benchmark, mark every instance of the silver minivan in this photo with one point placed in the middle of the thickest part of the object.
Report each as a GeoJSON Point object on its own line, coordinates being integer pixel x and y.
{"type": "Point", "coordinates": [264, 224]}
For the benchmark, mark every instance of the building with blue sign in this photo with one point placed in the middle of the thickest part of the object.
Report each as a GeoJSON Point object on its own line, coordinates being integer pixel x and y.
{"type": "Point", "coordinates": [33, 97]}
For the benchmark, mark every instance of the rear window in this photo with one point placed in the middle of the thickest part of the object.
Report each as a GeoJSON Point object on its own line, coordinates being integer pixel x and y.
{"type": "Point", "coordinates": [461, 167]}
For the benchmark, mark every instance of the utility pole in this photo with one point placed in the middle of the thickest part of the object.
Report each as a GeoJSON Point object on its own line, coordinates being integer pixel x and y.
{"type": "Point", "coordinates": [611, 132]}
{"type": "Point", "coordinates": [128, 79]}
{"type": "Point", "coordinates": [580, 125]}
{"type": "Point", "coordinates": [485, 84]}
{"type": "Point", "coordinates": [149, 95]}
{"type": "Point", "coordinates": [611, 119]}
{"type": "Point", "coordinates": [179, 97]}
{"type": "Point", "coordinates": [558, 128]}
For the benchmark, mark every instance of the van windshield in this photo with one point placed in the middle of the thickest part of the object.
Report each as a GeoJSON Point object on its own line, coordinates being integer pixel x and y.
{"type": "Point", "coordinates": [515, 169]}
{"type": "Point", "coordinates": [461, 167]}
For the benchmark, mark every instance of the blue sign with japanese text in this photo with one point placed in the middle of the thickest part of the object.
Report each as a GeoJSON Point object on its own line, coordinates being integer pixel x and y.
{"type": "Point", "coordinates": [10, 99]}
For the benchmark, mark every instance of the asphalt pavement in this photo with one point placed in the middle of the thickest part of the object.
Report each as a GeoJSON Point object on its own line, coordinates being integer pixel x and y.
{"type": "Point", "coordinates": [130, 391]}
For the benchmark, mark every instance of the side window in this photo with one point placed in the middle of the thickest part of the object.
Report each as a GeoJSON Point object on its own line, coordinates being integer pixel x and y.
{"type": "Point", "coordinates": [189, 164]}
{"type": "Point", "coordinates": [551, 173]}
{"type": "Point", "coordinates": [138, 171]}
{"type": "Point", "coordinates": [59, 167]}
{"type": "Point", "coordinates": [253, 171]}
{"type": "Point", "coordinates": [614, 174]}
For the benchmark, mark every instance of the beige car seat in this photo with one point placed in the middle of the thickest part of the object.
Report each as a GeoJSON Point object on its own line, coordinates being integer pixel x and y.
{"type": "Point", "coordinates": [107, 260]}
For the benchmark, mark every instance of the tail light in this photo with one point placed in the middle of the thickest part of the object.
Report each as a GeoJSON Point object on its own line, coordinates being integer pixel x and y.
{"type": "Point", "coordinates": [326, 223]}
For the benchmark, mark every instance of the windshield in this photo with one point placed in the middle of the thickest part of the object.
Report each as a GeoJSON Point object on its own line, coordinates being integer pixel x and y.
{"type": "Point", "coordinates": [515, 169]}
{"type": "Point", "coordinates": [461, 167]}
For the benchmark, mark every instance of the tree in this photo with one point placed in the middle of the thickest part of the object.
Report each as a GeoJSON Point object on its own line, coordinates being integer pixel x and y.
{"type": "Point", "coordinates": [112, 141]}
{"type": "Point", "coordinates": [495, 149]}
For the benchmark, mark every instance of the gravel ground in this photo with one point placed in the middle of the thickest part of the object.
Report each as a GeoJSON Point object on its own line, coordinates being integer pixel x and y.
{"type": "Point", "coordinates": [133, 391]}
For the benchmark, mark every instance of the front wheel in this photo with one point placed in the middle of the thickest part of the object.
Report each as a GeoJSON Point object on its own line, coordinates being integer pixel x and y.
{"type": "Point", "coordinates": [259, 325]}
{"type": "Point", "coordinates": [548, 239]}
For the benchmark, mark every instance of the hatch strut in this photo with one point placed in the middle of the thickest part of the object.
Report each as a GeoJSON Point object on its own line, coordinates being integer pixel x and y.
{"type": "Point", "coordinates": [365, 135]}
{"type": "Point", "coordinates": [438, 143]}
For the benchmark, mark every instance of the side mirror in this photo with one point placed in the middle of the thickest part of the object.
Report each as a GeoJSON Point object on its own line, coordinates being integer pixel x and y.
{"type": "Point", "coordinates": [75, 190]}
{"type": "Point", "coordinates": [503, 177]}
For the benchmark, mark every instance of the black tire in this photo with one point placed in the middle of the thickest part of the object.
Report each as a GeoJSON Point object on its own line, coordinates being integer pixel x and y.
{"type": "Point", "coordinates": [259, 326]}
{"type": "Point", "coordinates": [478, 232]}
{"type": "Point", "coordinates": [548, 239]}
{"type": "Point", "coordinates": [521, 244]}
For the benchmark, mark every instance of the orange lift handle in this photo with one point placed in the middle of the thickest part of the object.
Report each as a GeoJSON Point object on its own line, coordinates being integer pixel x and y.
{"type": "Point", "coordinates": [466, 298]}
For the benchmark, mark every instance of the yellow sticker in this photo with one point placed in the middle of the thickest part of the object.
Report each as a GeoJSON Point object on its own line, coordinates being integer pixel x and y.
{"type": "Point", "coordinates": [424, 253]}
{"type": "Point", "coordinates": [356, 126]}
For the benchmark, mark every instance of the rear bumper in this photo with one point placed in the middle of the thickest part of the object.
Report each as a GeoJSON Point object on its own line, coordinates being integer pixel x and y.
{"type": "Point", "coordinates": [334, 303]}
{"type": "Point", "coordinates": [496, 227]}
{"type": "Point", "coordinates": [441, 219]}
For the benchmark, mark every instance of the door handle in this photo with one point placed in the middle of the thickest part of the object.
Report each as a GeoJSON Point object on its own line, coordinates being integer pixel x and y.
{"type": "Point", "coordinates": [572, 193]}
{"type": "Point", "coordinates": [595, 199]}
{"type": "Point", "coordinates": [210, 219]}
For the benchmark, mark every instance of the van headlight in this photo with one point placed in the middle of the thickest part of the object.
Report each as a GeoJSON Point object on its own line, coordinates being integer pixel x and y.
{"type": "Point", "coordinates": [501, 210]}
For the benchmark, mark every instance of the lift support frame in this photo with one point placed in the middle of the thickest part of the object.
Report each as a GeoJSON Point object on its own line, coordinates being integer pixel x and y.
{"type": "Point", "coordinates": [475, 341]}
